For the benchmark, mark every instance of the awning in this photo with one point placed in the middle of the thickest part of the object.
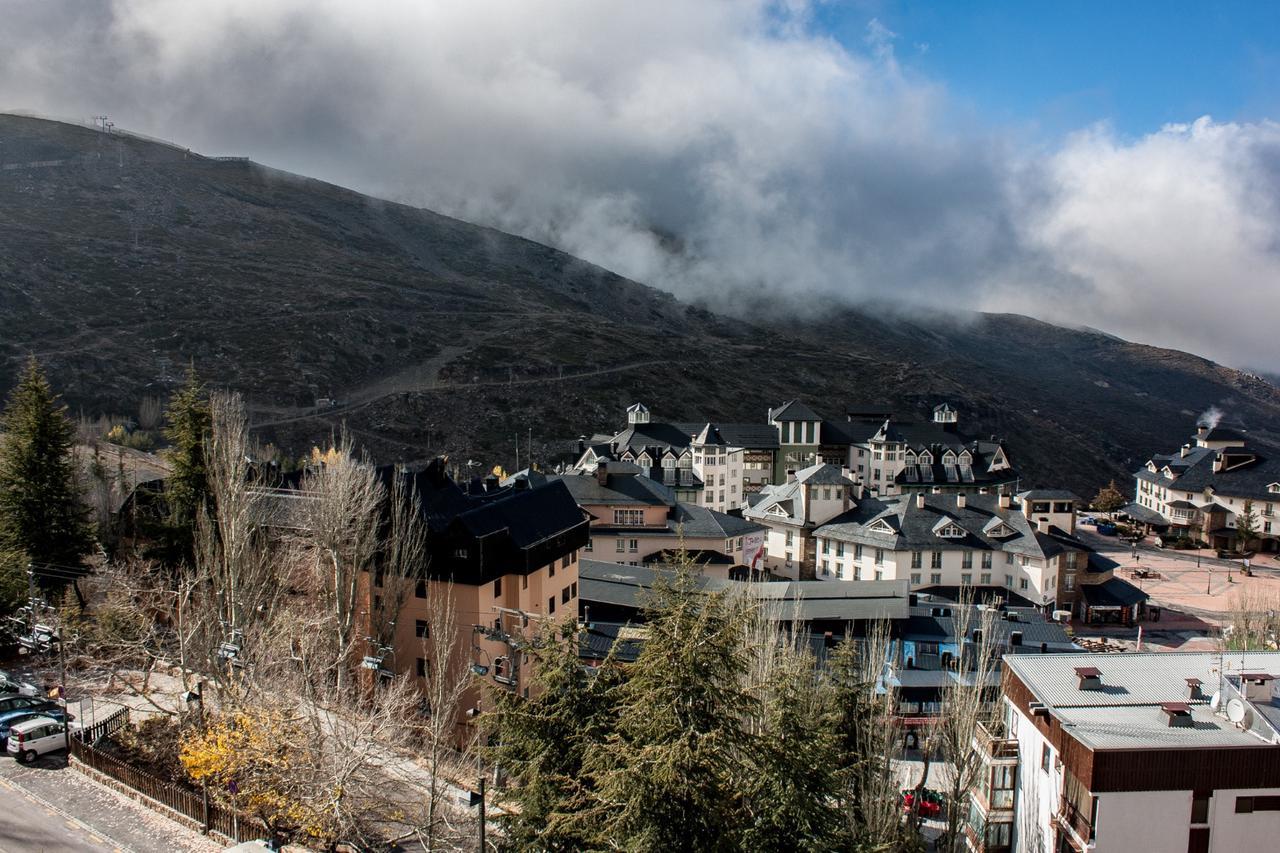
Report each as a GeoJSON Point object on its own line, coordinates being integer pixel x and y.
{"type": "Point", "coordinates": [1113, 594]}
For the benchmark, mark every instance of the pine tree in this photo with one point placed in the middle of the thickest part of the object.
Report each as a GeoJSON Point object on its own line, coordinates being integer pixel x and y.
{"type": "Point", "coordinates": [542, 743]}
{"type": "Point", "coordinates": [669, 777]}
{"type": "Point", "coordinates": [1246, 527]}
{"type": "Point", "coordinates": [187, 425]}
{"type": "Point", "coordinates": [42, 517]}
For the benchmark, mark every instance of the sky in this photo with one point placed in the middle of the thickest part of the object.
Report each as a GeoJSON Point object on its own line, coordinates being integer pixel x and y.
{"type": "Point", "coordinates": [1088, 165]}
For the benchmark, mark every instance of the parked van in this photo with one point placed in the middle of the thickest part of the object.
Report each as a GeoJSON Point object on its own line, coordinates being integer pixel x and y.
{"type": "Point", "coordinates": [37, 736]}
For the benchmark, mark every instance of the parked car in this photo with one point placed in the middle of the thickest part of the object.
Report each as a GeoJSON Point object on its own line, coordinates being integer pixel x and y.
{"type": "Point", "coordinates": [7, 719]}
{"type": "Point", "coordinates": [1106, 529]}
{"type": "Point", "coordinates": [37, 736]}
{"type": "Point", "coordinates": [18, 703]}
{"type": "Point", "coordinates": [930, 802]}
{"type": "Point", "coordinates": [16, 688]}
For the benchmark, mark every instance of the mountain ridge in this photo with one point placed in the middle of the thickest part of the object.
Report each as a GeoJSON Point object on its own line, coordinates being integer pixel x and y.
{"type": "Point", "coordinates": [131, 258]}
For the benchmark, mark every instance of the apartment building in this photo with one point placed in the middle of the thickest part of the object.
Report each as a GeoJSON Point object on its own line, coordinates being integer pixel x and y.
{"type": "Point", "coordinates": [1125, 752]}
{"type": "Point", "coordinates": [1024, 545]}
{"type": "Point", "coordinates": [1201, 491]}
{"type": "Point", "coordinates": [637, 520]}
{"type": "Point", "coordinates": [713, 465]}
{"type": "Point", "coordinates": [891, 455]}
{"type": "Point", "coordinates": [792, 511]}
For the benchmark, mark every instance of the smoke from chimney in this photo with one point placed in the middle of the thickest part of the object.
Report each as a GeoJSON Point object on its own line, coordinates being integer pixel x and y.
{"type": "Point", "coordinates": [1210, 417]}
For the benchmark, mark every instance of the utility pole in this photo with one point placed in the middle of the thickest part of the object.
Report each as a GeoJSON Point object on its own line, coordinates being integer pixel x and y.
{"type": "Point", "coordinates": [480, 791]}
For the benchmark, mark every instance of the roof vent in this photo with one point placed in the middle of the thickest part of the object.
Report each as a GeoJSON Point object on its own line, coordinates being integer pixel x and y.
{"type": "Point", "coordinates": [960, 501]}
{"type": "Point", "coordinates": [920, 500]}
{"type": "Point", "coordinates": [1011, 616]}
{"type": "Point", "coordinates": [1038, 709]}
{"type": "Point", "coordinates": [1177, 714]}
{"type": "Point", "coordinates": [1015, 638]}
{"type": "Point", "coordinates": [1090, 677]}
{"type": "Point", "coordinates": [1193, 690]}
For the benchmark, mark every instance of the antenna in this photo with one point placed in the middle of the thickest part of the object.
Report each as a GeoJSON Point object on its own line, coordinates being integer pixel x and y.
{"type": "Point", "coordinates": [1236, 711]}
{"type": "Point", "coordinates": [1215, 702]}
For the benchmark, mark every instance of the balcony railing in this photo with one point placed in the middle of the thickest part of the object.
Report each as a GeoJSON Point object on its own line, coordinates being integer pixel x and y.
{"type": "Point", "coordinates": [1077, 823]}
{"type": "Point", "coordinates": [995, 746]}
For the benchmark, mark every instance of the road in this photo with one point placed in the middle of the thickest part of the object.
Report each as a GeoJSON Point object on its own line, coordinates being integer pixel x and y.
{"type": "Point", "coordinates": [49, 807]}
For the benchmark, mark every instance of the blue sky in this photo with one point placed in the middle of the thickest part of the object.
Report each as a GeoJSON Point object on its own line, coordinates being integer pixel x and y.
{"type": "Point", "coordinates": [1055, 67]}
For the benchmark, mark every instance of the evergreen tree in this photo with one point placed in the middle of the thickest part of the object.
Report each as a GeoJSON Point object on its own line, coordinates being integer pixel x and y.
{"type": "Point", "coordinates": [669, 776]}
{"type": "Point", "coordinates": [542, 743]}
{"type": "Point", "coordinates": [1246, 527]}
{"type": "Point", "coordinates": [187, 424]}
{"type": "Point", "coordinates": [42, 517]}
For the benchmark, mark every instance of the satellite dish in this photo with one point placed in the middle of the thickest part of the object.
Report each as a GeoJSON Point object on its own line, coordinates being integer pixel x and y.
{"type": "Point", "coordinates": [1235, 711]}
{"type": "Point", "coordinates": [1215, 702]}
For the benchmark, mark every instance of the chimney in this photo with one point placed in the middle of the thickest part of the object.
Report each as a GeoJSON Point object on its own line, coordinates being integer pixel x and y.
{"type": "Point", "coordinates": [602, 473]}
{"type": "Point", "coordinates": [1193, 690]}
{"type": "Point", "coordinates": [1005, 501]}
{"type": "Point", "coordinates": [791, 475]}
{"type": "Point", "coordinates": [1015, 638]}
{"type": "Point", "coordinates": [1090, 677]}
{"type": "Point", "coordinates": [1186, 448]}
{"type": "Point", "coordinates": [960, 501]}
{"type": "Point", "coordinates": [920, 500]}
{"type": "Point", "coordinates": [1256, 686]}
{"type": "Point", "coordinates": [582, 445]}
{"type": "Point", "coordinates": [1218, 463]}
{"type": "Point", "coordinates": [1177, 714]}
{"type": "Point", "coordinates": [1201, 431]}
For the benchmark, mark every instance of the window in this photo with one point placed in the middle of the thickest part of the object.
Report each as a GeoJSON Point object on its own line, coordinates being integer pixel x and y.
{"type": "Point", "coordinates": [986, 559]}
{"type": "Point", "coordinates": [1024, 561]}
{"type": "Point", "coordinates": [789, 539]}
{"type": "Point", "coordinates": [622, 545]}
{"type": "Point", "coordinates": [857, 552]}
{"type": "Point", "coordinates": [564, 562]}
{"type": "Point", "coordinates": [966, 579]}
{"type": "Point", "coordinates": [1071, 560]}
{"type": "Point", "coordinates": [460, 553]}
{"type": "Point", "coordinates": [985, 579]}
{"type": "Point", "coordinates": [590, 545]}
{"type": "Point", "coordinates": [915, 578]}
{"type": "Point", "coordinates": [879, 575]}
{"type": "Point", "coordinates": [1068, 582]}
{"type": "Point", "coordinates": [879, 557]}
{"type": "Point", "coordinates": [839, 549]}
{"type": "Point", "coordinates": [826, 567]}
{"type": "Point", "coordinates": [420, 588]}
{"type": "Point", "coordinates": [421, 629]}
{"type": "Point", "coordinates": [875, 475]}
{"type": "Point", "coordinates": [935, 561]}
{"type": "Point", "coordinates": [564, 595]}
{"type": "Point", "coordinates": [551, 569]}
{"type": "Point", "coordinates": [1008, 559]}
{"type": "Point", "coordinates": [966, 560]}
{"type": "Point", "coordinates": [573, 590]}
{"type": "Point", "coordinates": [1046, 755]}
{"type": "Point", "coordinates": [917, 559]}
{"type": "Point", "coordinates": [551, 604]}
{"type": "Point", "coordinates": [1022, 584]}
{"type": "Point", "coordinates": [1249, 805]}
{"type": "Point", "coordinates": [497, 587]}
{"type": "Point", "coordinates": [788, 558]}
{"type": "Point", "coordinates": [524, 581]}
{"type": "Point", "coordinates": [935, 578]}
{"type": "Point", "coordinates": [633, 545]}
{"type": "Point", "coordinates": [1200, 809]}
{"type": "Point", "coordinates": [629, 517]}
{"type": "Point", "coordinates": [422, 667]}
{"type": "Point", "coordinates": [1008, 581]}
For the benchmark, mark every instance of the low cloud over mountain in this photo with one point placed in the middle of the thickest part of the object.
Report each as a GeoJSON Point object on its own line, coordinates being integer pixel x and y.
{"type": "Point", "coordinates": [709, 148]}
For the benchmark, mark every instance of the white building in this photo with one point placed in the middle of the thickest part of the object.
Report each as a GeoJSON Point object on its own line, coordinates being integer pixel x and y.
{"type": "Point", "coordinates": [1121, 753]}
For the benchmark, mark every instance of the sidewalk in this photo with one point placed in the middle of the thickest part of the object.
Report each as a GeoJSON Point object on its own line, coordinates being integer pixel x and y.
{"type": "Point", "coordinates": [93, 814]}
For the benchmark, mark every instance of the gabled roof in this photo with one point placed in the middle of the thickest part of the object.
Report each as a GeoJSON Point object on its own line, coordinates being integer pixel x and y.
{"type": "Point", "coordinates": [1049, 495]}
{"type": "Point", "coordinates": [621, 488]}
{"type": "Point", "coordinates": [823, 474]}
{"type": "Point", "coordinates": [794, 410]}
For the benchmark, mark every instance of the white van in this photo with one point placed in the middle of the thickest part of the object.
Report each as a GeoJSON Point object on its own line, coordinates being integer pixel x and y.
{"type": "Point", "coordinates": [36, 737]}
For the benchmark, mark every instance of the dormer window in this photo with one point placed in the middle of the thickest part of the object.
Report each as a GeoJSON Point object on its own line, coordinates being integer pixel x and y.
{"type": "Point", "coordinates": [966, 457]}
{"type": "Point", "coordinates": [926, 458]}
{"type": "Point", "coordinates": [1274, 488]}
{"type": "Point", "coordinates": [948, 458]}
{"type": "Point", "coordinates": [686, 461]}
{"type": "Point", "coordinates": [642, 460]}
{"type": "Point", "coordinates": [882, 526]}
{"type": "Point", "coordinates": [951, 531]}
{"type": "Point", "coordinates": [668, 462]}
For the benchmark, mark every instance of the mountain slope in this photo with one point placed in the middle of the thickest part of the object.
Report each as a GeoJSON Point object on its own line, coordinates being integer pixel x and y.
{"type": "Point", "coordinates": [124, 259]}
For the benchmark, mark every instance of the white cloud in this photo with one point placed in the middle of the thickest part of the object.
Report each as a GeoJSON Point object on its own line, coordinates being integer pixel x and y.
{"type": "Point", "coordinates": [777, 158]}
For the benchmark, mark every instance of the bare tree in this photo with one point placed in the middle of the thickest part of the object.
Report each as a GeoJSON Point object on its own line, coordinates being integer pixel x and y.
{"type": "Point", "coordinates": [150, 412]}
{"type": "Point", "coordinates": [965, 704]}
{"type": "Point", "coordinates": [1253, 623]}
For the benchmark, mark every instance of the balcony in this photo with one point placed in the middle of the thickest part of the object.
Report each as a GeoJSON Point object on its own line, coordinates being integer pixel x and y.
{"type": "Point", "coordinates": [996, 747]}
{"type": "Point", "coordinates": [1076, 824]}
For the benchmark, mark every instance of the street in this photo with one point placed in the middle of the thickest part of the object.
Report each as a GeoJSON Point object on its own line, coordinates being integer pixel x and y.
{"type": "Point", "coordinates": [49, 807]}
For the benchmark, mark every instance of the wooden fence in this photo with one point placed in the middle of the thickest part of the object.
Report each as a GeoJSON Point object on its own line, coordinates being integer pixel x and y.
{"type": "Point", "coordinates": [195, 806]}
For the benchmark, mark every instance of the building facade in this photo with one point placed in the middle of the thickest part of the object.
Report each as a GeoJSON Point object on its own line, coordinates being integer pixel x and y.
{"type": "Point", "coordinates": [792, 511]}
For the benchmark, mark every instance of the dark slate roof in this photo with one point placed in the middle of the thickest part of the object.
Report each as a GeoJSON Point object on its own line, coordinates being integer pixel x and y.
{"type": "Point", "coordinates": [924, 625]}
{"type": "Point", "coordinates": [751, 436]}
{"type": "Point", "coordinates": [627, 586]}
{"type": "Point", "coordinates": [1050, 495]}
{"type": "Point", "coordinates": [1249, 480]}
{"type": "Point", "coordinates": [701, 556]}
{"type": "Point", "coordinates": [1116, 592]}
{"type": "Point", "coordinates": [914, 527]}
{"type": "Point", "coordinates": [623, 488]}
{"type": "Point", "coordinates": [599, 638]}
{"type": "Point", "coordinates": [527, 516]}
{"type": "Point", "coordinates": [875, 411]}
{"type": "Point", "coordinates": [794, 410]}
{"type": "Point", "coordinates": [652, 435]}
{"type": "Point", "coordinates": [1223, 434]}
{"type": "Point", "coordinates": [1099, 563]}
{"type": "Point", "coordinates": [1138, 512]}
{"type": "Point", "coordinates": [699, 521]}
